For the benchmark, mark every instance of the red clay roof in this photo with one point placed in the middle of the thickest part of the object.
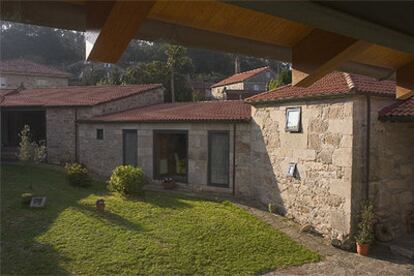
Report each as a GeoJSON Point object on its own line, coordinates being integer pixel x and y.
{"type": "Point", "coordinates": [24, 66]}
{"type": "Point", "coordinates": [335, 83]}
{"type": "Point", "coordinates": [74, 95]}
{"type": "Point", "coordinates": [398, 111]}
{"type": "Point", "coordinates": [4, 91]}
{"type": "Point", "coordinates": [240, 77]}
{"type": "Point", "coordinates": [185, 111]}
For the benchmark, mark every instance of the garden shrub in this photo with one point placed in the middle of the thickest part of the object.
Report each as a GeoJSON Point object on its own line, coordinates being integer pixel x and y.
{"type": "Point", "coordinates": [127, 180]}
{"type": "Point", "coordinates": [77, 175]}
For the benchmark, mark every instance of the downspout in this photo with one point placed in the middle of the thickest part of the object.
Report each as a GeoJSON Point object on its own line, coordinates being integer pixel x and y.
{"type": "Point", "coordinates": [234, 159]}
{"type": "Point", "coordinates": [368, 146]}
{"type": "Point", "coordinates": [76, 135]}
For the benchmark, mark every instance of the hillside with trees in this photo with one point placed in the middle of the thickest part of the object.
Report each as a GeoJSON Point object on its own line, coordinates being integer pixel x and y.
{"type": "Point", "coordinates": [142, 62]}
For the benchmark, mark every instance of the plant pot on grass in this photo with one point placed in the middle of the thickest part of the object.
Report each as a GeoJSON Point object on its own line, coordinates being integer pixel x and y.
{"type": "Point", "coordinates": [168, 183]}
{"type": "Point", "coordinates": [365, 235]}
{"type": "Point", "coordinates": [100, 205]}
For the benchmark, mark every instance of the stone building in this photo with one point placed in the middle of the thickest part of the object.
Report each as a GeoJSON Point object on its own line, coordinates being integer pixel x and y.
{"type": "Point", "coordinates": [52, 114]}
{"type": "Point", "coordinates": [313, 154]}
{"type": "Point", "coordinates": [243, 85]}
{"type": "Point", "coordinates": [21, 72]}
{"type": "Point", "coordinates": [191, 142]}
{"type": "Point", "coordinates": [345, 150]}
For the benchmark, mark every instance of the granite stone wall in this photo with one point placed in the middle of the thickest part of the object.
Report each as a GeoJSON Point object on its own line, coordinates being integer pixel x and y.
{"type": "Point", "coordinates": [391, 174]}
{"type": "Point", "coordinates": [61, 127]}
{"type": "Point", "coordinates": [102, 156]}
{"type": "Point", "coordinates": [321, 193]}
{"type": "Point", "coordinates": [31, 81]}
{"type": "Point", "coordinates": [61, 135]}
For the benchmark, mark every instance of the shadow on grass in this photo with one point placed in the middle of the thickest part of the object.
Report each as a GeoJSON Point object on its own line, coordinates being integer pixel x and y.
{"type": "Point", "coordinates": [22, 253]}
{"type": "Point", "coordinates": [109, 217]}
{"type": "Point", "coordinates": [166, 200]}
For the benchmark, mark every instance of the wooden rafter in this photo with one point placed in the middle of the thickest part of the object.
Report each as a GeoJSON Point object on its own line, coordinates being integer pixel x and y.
{"type": "Point", "coordinates": [320, 53]}
{"type": "Point", "coordinates": [405, 81]}
{"type": "Point", "coordinates": [107, 42]}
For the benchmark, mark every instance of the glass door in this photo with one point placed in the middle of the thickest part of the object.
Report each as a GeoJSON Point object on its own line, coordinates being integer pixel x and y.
{"type": "Point", "coordinates": [218, 158]}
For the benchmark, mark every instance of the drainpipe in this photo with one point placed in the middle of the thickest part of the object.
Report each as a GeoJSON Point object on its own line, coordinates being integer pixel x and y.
{"type": "Point", "coordinates": [76, 135]}
{"type": "Point", "coordinates": [234, 159]}
{"type": "Point", "coordinates": [368, 146]}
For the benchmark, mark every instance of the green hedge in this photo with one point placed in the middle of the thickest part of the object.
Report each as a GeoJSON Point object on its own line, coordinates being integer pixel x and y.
{"type": "Point", "coordinates": [77, 175]}
{"type": "Point", "coordinates": [127, 180]}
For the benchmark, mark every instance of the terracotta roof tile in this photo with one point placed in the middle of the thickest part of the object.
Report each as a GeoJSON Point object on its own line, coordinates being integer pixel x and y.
{"type": "Point", "coordinates": [335, 83]}
{"type": "Point", "coordinates": [74, 95]}
{"type": "Point", "coordinates": [23, 66]}
{"type": "Point", "coordinates": [8, 91]}
{"type": "Point", "coordinates": [240, 77]}
{"type": "Point", "coordinates": [398, 111]}
{"type": "Point", "coordinates": [188, 111]}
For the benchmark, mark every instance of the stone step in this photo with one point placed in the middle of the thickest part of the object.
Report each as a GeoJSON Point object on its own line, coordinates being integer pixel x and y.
{"type": "Point", "coordinates": [402, 251]}
{"type": "Point", "coordinates": [403, 246]}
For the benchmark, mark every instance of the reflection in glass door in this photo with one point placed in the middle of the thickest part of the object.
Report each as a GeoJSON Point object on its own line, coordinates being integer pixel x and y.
{"type": "Point", "coordinates": [218, 158]}
{"type": "Point", "coordinates": [129, 137]}
{"type": "Point", "coordinates": [170, 154]}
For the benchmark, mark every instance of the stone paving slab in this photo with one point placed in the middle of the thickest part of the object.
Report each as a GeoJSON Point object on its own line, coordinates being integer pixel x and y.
{"type": "Point", "coordinates": [336, 261]}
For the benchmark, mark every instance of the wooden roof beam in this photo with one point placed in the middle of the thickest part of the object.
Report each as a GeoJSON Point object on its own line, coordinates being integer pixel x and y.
{"type": "Point", "coordinates": [106, 43]}
{"type": "Point", "coordinates": [320, 53]}
{"type": "Point", "coordinates": [405, 81]}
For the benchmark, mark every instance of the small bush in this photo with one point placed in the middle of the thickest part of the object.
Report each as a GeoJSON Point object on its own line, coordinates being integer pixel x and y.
{"type": "Point", "coordinates": [77, 175]}
{"type": "Point", "coordinates": [365, 233]}
{"type": "Point", "coordinates": [127, 180]}
{"type": "Point", "coordinates": [26, 198]}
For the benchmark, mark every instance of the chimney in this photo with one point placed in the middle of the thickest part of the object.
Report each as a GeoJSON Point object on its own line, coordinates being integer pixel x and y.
{"type": "Point", "coordinates": [236, 65]}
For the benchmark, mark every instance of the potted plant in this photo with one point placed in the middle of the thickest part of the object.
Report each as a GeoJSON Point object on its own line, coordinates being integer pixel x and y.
{"type": "Point", "coordinates": [168, 183]}
{"type": "Point", "coordinates": [100, 205]}
{"type": "Point", "coordinates": [365, 235]}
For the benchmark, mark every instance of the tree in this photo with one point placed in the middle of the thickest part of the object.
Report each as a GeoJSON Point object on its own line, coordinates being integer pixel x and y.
{"type": "Point", "coordinates": [177, 60]}
{"type": "Point", "coordinates": [30, 151]}
{"type": "Point", "coordinates": [283, 78]}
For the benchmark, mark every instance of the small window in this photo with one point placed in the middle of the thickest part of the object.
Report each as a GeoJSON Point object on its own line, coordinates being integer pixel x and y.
{"type": "Point", "coordinates": [41, 83]}
{"type": "Point", "coordinates": [3, 82]}
{"type": "Point", "coordinates": [268, 75]}
{"type": "Point", "coordinates": [256, 87]}
{"type": "Point", "coordinates": [293, 119]}
{"type": "Point", "coordinates": [99, 134]}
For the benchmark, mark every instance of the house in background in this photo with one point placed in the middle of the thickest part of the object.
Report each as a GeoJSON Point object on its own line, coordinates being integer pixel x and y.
{"type": "Point", "coordinates": [22, 72]}
{"type": "Point", "coordinates": [243, 85]}
{"type": "Point", "coordinates": [52, 114]}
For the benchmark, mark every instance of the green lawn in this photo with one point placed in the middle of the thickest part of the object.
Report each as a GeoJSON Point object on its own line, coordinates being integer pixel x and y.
{"type": "Point", "coordinates": [159, 234]}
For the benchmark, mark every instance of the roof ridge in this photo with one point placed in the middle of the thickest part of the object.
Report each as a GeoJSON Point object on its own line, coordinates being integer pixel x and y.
{"type": "Point", "coordinates": [259, 69]}
{"type": "Point", "coordinates": [91, 86]}
{"type": "Point", "coordinates": [349, 80]}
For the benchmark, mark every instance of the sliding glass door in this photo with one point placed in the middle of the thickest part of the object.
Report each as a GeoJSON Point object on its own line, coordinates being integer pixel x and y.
{"type": "Point", "coordinates": [218, 158]}
{"type": "Point", "coordinates": [170, 154]}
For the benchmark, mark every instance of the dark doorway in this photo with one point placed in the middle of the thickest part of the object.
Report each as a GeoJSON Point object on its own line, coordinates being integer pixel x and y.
{"type": "Point", "coordinates": [170, 154]}
{"type": "Point", "coordinates": [130, 146]}
{"type": "Point", "coordinates": [218, 158]}
{"type": "Point", "coordinates": [13, 121]}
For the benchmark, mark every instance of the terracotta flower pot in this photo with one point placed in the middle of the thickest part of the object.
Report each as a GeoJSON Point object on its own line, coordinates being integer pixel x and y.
{"type": "Point", "coordinates": [362, 249]}
{"type": "Point", "coordinates": [100, 205]}
{"type": "Point", "coordinates": [168, 184]}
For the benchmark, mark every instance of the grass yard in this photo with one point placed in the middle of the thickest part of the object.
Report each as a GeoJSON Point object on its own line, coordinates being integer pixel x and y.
{"type": "Point", "coordinates": [159, 234]}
